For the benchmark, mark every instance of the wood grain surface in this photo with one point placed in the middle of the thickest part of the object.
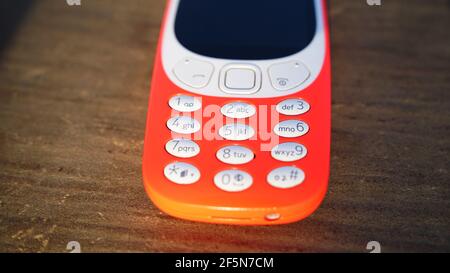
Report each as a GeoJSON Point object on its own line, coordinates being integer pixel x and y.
{"type": "Point", "coordinates": [74, 87]}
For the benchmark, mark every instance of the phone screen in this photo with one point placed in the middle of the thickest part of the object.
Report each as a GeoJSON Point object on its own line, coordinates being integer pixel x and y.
{"type": "Point", "coordinates": [245, 29]}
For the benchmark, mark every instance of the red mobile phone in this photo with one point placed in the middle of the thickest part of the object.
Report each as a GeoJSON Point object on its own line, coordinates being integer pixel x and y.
{"type": "Point", "coordinates": [238, 126]}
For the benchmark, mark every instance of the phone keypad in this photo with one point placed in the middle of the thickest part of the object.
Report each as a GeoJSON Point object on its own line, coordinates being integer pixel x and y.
{"type": "Point", "coordinates": [235, 180]}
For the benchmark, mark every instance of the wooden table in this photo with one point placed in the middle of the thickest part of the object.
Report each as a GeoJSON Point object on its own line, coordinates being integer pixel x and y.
{"type": "Point", "coordinates": [74, 86]}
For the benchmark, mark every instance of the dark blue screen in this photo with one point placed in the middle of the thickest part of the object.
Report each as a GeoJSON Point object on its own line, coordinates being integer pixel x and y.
{"type": "Point", "coordinates": [245, 29]}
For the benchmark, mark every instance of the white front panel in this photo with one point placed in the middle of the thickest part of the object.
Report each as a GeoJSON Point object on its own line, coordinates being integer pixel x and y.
{"type": "Point", "coordinates": [312, 57]}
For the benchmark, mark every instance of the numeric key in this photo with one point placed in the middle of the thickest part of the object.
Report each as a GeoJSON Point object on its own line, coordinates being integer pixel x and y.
{"type": "Point", "coordinates": [291, 128]}
{"type": "Point", "coordinates": [293, 107]}
{"type": "Point", "coordinates": [233, 180]}
{"type": "Point", "coordinates": [183, 125]}
{"type": "Point", "coordinates": [238, 110]}
{"type": "Point", "coordinates": [182, 148]}
{"type": "Point", "coordinates": [289, 151]}
{"type": "Point", "coordinates": [235, 155]}
{"type": "Point", "coordinates": [236, 131]}
{"type": "Point", "coordinates": [184, 103]}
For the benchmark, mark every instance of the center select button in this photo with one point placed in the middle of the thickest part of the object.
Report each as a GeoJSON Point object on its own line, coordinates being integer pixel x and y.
{"type": "Point", "coordinates": [237, 78]}
{"type": "Point", "coordinates": [240, 79]}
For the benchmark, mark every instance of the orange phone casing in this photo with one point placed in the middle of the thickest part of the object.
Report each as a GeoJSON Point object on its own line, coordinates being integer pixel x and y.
{"type": "Point", "coordinates": [203, 201]}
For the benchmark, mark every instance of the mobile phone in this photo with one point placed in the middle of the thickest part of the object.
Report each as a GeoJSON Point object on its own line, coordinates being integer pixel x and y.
{"type": "Point", "coordinates": [238, 125]}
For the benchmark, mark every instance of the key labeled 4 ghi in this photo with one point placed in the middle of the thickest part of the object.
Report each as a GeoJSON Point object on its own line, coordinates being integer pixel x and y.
{"type": "Point", "coordinates": [183, 125]}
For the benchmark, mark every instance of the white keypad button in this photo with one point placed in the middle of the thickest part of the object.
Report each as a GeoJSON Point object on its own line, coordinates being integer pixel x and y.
{"type": "Point", "coordinates": [289, 151]}
{"type": "Point", "coordinates": [193, 72]}
{"type": "Point", "coordinates": [286, 177]}
{"type": "Point", "coordinates": [233, 180]}
{"type": "Point", "coordinates": [238, 110]}
{"type": "Point", "coordinates": [182, 173]}
{"type": "Point", "coordinates": [236, 78]}
{"type": "Point", "coordinates": [240, 78]}
{"type": "Point", "coordinates": [291, 128]}
{"type": "Point", "coordinates": [183, 125]}
{"type": "Point", "coordinates": [235, 155]}
{"type": "Point", "coordinates": [183, 103]}
{"type": "Point", "coordinates": [293, 107]}
{"type": "Point", "coordinates": [288, 75]}
{"type": "Point", "coordinates": [236, 131]}
{"type": "Point", "coordinates": [183, 148]}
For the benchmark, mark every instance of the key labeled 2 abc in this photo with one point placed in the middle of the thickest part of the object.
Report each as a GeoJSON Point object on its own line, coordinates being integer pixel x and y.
{"type": "Point", "coordinates": [238, 110]}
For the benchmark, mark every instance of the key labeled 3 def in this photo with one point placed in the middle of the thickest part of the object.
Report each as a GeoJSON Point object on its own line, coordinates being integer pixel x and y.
{"type": "Point", "coordinates": [293, 107]}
